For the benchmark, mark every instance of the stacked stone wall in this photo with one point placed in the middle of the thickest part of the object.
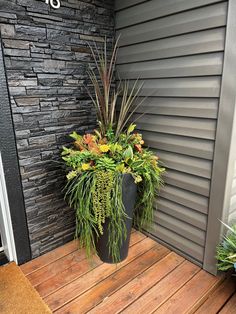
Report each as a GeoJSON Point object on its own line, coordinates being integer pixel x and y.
{"type": "Point", "coordinates": [46, 58]}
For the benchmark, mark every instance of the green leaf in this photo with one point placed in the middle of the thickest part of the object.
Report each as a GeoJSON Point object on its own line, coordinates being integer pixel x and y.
{"type": "Point", "coordinates": [65, 151]}
{"type": "Point", "coordinates": [128, 153]}
{"type": "Point", "coordinates": [76, 136]}
{"type": "Point", "coordinates": [137, 164]}
{"type": "Point", "coordinates": [131, 128]}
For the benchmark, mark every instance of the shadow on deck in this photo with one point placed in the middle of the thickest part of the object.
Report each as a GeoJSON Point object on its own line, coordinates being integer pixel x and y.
{"type": "Point", "coordinates": [151, 280]}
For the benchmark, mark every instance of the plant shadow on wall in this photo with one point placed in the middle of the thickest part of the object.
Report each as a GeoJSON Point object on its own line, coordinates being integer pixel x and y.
{"type": "Point", "coordinates": [106, 168]}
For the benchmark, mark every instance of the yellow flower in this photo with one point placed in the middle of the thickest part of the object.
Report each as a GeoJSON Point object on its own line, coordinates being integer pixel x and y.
{"type": "Point", "coordinates": [85, 166]}
{"type": "Point", "coordinates": [138, 179]}
{"type": "Point", "coordinates": [104, 148]}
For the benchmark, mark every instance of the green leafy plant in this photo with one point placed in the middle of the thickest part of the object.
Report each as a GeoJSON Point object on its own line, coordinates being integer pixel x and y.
{"type": "Point", "coordinates": [226, 250]}
{"type": "Point", "coordinates": [97, 162]}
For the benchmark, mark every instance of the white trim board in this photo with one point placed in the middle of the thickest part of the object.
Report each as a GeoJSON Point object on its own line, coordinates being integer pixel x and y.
{"type": "Point", "coordinates": [7, 236]}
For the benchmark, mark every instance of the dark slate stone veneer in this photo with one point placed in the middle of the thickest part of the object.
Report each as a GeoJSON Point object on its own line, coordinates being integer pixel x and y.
{"type": "Point", "coordinates": [46, 58]}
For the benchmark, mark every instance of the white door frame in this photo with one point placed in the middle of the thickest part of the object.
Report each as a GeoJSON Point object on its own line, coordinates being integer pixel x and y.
{"type": "Point", "coordinates": [6, 229]}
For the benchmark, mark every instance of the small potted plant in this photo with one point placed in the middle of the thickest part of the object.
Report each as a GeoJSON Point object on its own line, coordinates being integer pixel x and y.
{"type": "Point", "coordinates": [112, 178]}
{"type": "Point", "coordinates": [226, 251]}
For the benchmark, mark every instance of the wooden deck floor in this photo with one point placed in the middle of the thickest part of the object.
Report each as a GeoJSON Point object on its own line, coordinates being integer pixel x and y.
{"type": "Point", "coordinates": [151, 280]}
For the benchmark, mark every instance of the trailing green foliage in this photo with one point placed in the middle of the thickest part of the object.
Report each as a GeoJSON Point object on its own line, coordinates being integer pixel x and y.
{"type": "Point", "coordinates": [226, 251]}
{"type": "Point", "coordinates": [104, 182]}
{"type": "Point", "coordinates": [147, 191]}
{"type": "Point", "coordinates": [97, 195]}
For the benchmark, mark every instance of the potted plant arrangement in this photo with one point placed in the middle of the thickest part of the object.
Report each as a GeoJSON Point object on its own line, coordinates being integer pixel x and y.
{"type": "Point", "coordinates": [112, 178]}
{"type": "Point", "coordinates": [226, 251]}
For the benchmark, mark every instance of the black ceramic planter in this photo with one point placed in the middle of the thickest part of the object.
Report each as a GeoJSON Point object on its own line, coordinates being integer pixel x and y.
{"type": "Point", "coordinates": [129, 193]}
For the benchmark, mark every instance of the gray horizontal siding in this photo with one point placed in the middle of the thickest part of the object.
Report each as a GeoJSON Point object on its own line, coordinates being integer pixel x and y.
{"type": "Point", "coordinates": [180, 227]}
{"type": "Point", "coordinates": [178, 144]}
{"type": "Point", "coordinates": [185, 214]}
{"type": "Point", "coordinates": [188, 182]}
{"type": "Point", "coordinates": [206, 86]}
{"type": "Point", "coordinates": [177, 241]}
{"type": "Point", "coordinates": [122, 4]}
{"type": "Point", "coordinates": [188, 44]}
{"type": "Point", "coordinates": [191, 127]}
{"type": "Point", "coordinates": [187, 164]}
{"type": "Point", "coordinates": [185, 198]}
{"type": "Point", "coordinates": [199, 65]}
{"type": "Point", "coordinates": [185, 22]}
{"type": "Point", "coordinates": [153, 10]}
{"type": "Point", "coordinates": [176, 48]}
{"type": "Point", "coordinates": [184, 107]}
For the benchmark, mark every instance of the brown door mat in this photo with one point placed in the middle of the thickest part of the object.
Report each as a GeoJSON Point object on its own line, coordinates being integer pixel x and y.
{"type": "Point", "coordinates": [17, 295]}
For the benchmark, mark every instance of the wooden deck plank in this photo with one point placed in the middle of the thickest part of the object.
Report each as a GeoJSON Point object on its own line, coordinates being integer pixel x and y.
{"type": "Point", "coordinates": [50, 257]}
{"type": "Point", "coordinates": [94, 296]}
{"type": "Point", "coordinates": [56, 254]}
{"type": "Point", "coordinates": [151, 280]}
{"type": "Point", "coordinates": [188, 297]}
{"type": "Point", "coordinates": [138, 286]}
{"type": "Point", "coordinates": [65, 262]}
{"type": "Point", "coordinates": [56, 267]}
{"type": "Point", "coordinates": [230, 306]}
{"type": "Point", "coordinates": [163, 290]}
{"type": "Point", "coordinates": [77, 270]}
{"type": "Point", "coordinates": [136, 237]}
{"type": "Point", "coordinates": [71, 274]}
{"type": "Point", "coordinates": [215, 301]}
{"type": "Point", "coordinates": [79, 286]}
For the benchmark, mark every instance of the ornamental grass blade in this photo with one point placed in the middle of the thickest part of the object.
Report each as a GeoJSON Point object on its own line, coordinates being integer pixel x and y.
{"type": "Point", "coordinates": [228, 227]}
{"type": "Point", "coordinates": [128, 100]}
{"type": "Point", "coordinates": [105, 102]}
